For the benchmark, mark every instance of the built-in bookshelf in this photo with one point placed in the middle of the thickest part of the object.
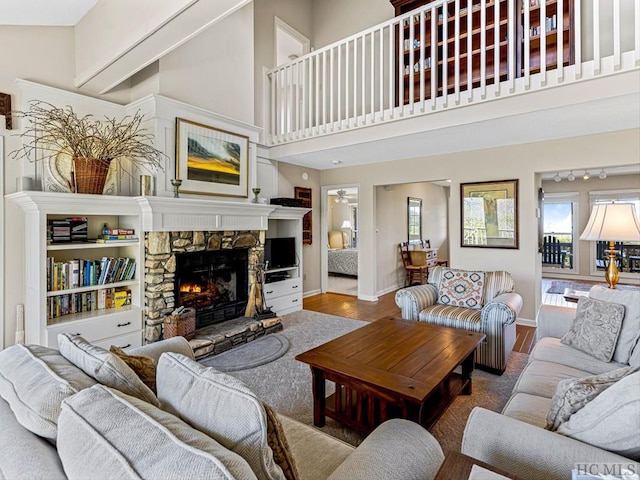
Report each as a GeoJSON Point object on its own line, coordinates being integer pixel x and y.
{"type": "Point", "coordinates": [467, 42]}
{"type": "Point", "coordinates": [85, 280]}
{"type": "Point", "coordinates": [551, 31]}
{"type": "Point", "coordinates": [119, 320]}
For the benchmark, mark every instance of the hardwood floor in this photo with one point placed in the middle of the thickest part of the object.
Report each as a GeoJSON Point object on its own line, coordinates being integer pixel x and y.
{"type": "Point", "coordinates": [350, 307]}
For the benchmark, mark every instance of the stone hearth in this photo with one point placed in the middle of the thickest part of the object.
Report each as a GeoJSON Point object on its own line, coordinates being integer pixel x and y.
{"type": "Point", "coordinates": [218, 338]}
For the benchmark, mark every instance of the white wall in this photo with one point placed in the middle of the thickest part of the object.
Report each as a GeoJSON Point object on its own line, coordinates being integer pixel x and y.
{"type": "Point", "coordinates": [336, 19]}
{"type": "Point", "coordinates": [519, 161]}
{"type": "Point", "coordinates": [215, 69]}
{"type": "Point", "coordinates": [289, 177]}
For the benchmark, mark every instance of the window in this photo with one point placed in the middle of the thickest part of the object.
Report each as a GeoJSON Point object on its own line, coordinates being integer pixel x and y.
{"type": "Point", "coordinates": [628, 252]}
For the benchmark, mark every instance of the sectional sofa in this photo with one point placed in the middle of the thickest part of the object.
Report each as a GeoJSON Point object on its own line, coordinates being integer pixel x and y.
{"type": "Point", "coordinates": [604, 430]}
{"type": "Point", "coordinates": [82, 412]}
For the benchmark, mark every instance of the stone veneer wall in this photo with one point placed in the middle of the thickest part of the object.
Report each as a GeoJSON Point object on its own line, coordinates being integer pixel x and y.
{"type": "Point", "coordinates": [160, 250]}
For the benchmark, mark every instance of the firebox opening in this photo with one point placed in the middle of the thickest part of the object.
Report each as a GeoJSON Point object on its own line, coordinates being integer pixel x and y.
{"type": "Point", "coordinates": [215, 283]}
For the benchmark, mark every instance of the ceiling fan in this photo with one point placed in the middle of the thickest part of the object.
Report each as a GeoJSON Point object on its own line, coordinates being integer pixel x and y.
{"type": "Point", "coordinates": [341, 196]}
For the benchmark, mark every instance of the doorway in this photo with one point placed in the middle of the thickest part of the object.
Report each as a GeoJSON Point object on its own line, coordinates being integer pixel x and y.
{"type": "Point", "coordinates": [340, 264]}
{"type": "Point", "coordinates": [289, 43]}
{"type": "Point", "coordinates": [559, 246]}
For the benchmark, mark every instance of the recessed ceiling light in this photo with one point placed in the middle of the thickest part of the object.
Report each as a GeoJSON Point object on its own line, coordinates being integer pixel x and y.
{"type": "Point", "coordinates": [336, 162]}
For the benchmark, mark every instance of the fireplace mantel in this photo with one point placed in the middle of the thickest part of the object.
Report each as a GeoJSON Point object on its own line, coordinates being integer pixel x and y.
{"type": "Point", "coordinates": [162, 214]}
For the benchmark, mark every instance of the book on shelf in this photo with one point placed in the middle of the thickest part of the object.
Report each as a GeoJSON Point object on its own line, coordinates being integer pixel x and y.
{"type": "Point", "coordinates": [103, 299]}
{"type": "Point", "coordinates": [116, 238]}
{"type": "Point", "coordinates": [118, 231]}
{"type": "Point", "coordinates": [121, 297]}
{"type": "Point", "coordinates": [67, 230]}
{"type": "Point", "coordinates": [86, 273]}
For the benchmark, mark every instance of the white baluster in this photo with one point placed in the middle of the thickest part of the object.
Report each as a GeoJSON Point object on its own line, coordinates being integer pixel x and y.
{"type": "Point", "coordinates": [617, 59]}
{"type": "Point", "coordinates": [596, 37]}
{"type": "Point", "coordinates": [456, 39]}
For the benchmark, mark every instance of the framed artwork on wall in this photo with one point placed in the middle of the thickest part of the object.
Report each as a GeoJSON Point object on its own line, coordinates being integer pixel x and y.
{"type": "Point", "coordinates": [210, 161]}
{"type": "Point", "coordinates": [304, 194]}
{"type": "Point", "coordinates": [489, 214]}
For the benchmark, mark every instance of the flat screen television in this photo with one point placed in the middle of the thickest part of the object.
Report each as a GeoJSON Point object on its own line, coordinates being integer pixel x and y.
{"type": "Point", "coordinates": [280, 252]}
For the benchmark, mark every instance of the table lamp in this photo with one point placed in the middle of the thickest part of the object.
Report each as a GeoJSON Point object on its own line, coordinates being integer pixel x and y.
{"type": "Point", "coordinates": [346, 225]}
{"type": "Point", "coordinates": [612, 222]}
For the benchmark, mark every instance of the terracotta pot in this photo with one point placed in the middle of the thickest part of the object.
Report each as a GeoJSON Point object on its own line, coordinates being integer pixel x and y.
{"type": "Point", "coordinates": [90, 174]}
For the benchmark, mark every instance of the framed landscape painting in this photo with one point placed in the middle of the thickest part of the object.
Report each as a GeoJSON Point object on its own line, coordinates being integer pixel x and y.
{"type": "Point", "coordinates": [210, 161]}
{"type": "Point", "coordinates": [489, 213]}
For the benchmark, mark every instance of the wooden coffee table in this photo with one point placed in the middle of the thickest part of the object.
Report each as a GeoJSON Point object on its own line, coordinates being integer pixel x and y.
{"type": "Point", "coordinates": [388, 369]}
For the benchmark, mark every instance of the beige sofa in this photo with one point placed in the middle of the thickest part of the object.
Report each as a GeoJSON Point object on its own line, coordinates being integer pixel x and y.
{"type": "Point", "coordinates": [517, 441]}
{"type": "Point", "coordinates": [59, 422]}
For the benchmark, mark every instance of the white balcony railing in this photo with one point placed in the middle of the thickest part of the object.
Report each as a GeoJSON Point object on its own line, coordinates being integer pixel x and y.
{"type": "Point", "coordinates": [445, 54]}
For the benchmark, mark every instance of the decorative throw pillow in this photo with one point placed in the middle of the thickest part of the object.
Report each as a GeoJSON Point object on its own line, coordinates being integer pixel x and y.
{"type": "Point", "coordinates": [279, 445]}
{"type": "Point", "coordinates": [574, 393]}
{"type": "Point", "coordinates": [104, 366]}
{"type": "Point", "coordinates": [34, 380]}
{"type": "Point", "coordinates": [104, 433]}
{"type": "Point", "coordinates": [460, 288]}
{"type": "Point", "coordinates": [610, 421]}
{"type": "Point", "coordinates": [220, 406]}
{"type": "Point", "coordinates": [144, 366]}
{"type": "Point", "coordinates": [630, 331]}
{"type": "Point", "coordinates": [596, 328]}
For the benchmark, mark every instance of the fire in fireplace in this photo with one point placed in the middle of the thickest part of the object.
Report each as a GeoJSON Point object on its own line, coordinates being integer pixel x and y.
{"type": "Point", "coordinates": [213, 282]}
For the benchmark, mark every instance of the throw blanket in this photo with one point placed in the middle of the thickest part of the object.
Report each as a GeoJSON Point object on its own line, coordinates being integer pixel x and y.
{"type": "Point", "coordinates": [343, 261]}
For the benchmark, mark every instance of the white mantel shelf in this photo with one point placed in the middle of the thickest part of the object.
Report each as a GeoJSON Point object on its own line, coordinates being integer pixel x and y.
{"type": "Point", "coordinates": [161, 214]}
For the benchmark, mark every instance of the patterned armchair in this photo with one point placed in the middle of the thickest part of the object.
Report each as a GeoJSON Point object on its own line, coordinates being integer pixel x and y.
{"type": "Point", "coordinates": [496, 318]}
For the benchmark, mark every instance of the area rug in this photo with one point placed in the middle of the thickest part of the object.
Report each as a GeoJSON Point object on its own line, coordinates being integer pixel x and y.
{"type": "Point", "coordinates": [250, 355]}
{"type": "Point", "coordinates": [285, 384]}
{"type": "Point", "coordinates": [559, 286]}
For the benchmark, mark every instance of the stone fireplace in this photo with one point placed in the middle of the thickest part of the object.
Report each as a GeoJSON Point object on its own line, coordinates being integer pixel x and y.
{"type": "Point", "coordinates": [198, 260]}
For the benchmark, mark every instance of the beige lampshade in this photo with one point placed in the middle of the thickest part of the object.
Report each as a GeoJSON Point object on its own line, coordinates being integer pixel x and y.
{"type": "Point", "coordinates": [613, 222]}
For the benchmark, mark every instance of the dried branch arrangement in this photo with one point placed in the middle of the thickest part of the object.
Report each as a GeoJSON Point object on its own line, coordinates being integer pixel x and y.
{"type": "Point", "coordinates": [51, 130]}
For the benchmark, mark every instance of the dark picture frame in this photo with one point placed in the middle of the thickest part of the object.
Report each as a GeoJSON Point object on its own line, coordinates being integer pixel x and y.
{"type": "Point", "coordinates": [304, 194]}
{"type": "Point", "coordinates": [489, 214]}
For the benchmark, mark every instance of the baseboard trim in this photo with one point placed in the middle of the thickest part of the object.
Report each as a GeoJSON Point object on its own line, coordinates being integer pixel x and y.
{"type": "Point", "coordinates": [387, 290]}
{"type": "Point", "coordinates": [525, 322]}
{"type": "Point", "coordinates": [368, 298]}
{"type": "Point", "coordinates": [311, 293]}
